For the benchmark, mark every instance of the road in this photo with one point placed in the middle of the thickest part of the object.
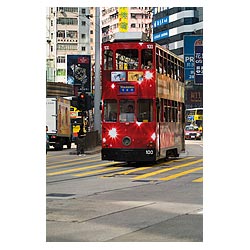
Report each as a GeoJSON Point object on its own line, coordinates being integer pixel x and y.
{"type": "Point", "coordinates": [89, 200]}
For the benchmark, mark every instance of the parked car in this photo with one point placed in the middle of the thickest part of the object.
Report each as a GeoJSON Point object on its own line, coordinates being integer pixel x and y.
{"type": "Point", "coordinates": [192, 132]}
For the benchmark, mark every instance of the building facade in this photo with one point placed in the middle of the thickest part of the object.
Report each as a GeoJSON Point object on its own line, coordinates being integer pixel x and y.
{"type": "Point", "coordinates": [69, 31]}
{"type": "Point", "coordinates": [171, 24]}
{"type": "Point", "coordinates": [139, 20]}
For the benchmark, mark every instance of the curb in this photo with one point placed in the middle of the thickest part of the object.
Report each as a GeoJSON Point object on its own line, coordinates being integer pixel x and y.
{"type": "Point", "coordinates": [88, 151]}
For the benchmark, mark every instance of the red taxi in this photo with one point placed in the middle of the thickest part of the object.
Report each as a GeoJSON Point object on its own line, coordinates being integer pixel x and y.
{"type": "Point", "coordinates": [192, 133]}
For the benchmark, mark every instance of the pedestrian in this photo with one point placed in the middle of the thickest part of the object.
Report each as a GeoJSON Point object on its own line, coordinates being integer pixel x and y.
{"type": "Point", "coordinates": [47, 139]}
{"type": "Point", "coordinates": [81, 141]}
{"type": "Point", "coordinates": [130, 109]}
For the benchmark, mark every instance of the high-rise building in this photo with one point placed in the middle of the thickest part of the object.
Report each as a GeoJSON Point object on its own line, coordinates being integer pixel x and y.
{"type": "Point", "coordinates": [69, 31]}
{"type": "Point", "coordinates": [171, 24]}
{"type": "Point", "coordinates": [139, 19]}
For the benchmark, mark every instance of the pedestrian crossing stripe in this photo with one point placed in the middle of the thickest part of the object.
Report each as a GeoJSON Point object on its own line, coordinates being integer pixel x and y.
{"type": "Point", "coordinates": [81, 168]}
{"type": "Point", "coordinates": [166, 170]}
{"type": "Point", "coordinates": [125, 172]}
{"type": "Point", "coordinates": [96, 171]}
{"type": "Point", "coordinates": [174, 176]}
{"type": "Point", "coordinates": [198, 180]}
{"type": "Point", "coordinates": [65, 164]}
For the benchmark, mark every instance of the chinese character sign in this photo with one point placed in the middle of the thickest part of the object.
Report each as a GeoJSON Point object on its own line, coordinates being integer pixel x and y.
{"type": "Point", "coordinates": [198, 62]}
{"type": "Point", "coordinates": [123, 19]}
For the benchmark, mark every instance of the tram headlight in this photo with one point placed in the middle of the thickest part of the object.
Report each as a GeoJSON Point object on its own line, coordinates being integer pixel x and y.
{"type": "Point", "coordinates": [113, 133]}
{"type": "Point", "coordinates": [153, 136]}
{"type": "Point", "coordinates": [148, 75]}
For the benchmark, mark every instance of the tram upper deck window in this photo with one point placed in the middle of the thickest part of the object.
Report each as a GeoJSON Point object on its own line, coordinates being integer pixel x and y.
{"type": "Point", "coordinates": [126, 59]}
{"type": "Point", "coordinates": [146, 59]}
{"type": "Point", "coordinates": [108, 59]}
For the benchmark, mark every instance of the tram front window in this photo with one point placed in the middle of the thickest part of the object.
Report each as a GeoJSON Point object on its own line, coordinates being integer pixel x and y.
{"type": "Point", "coordinates": [127, 113]}
{"type": "Point", "coordinates": [145, 109]}
{"type": "Point", "coordinates": [110, 110]}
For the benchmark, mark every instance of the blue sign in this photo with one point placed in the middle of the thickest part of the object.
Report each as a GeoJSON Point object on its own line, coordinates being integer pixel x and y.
{"type": "Point", "coordinates": [161, 21]}
{"type": "Point", "coordinates": [127, 89]}
{"type": "Point", "coordinates": [161, 35]}
{"type": "Point", "coordinates": [189, 57]}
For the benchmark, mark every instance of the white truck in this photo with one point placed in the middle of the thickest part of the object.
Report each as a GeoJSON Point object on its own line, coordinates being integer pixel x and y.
{"type": "Point", "coordinates": [58, 122]}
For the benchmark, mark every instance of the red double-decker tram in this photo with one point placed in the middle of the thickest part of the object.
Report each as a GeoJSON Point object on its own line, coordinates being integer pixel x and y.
{"type": "Point", "coordinates": [143, 114]}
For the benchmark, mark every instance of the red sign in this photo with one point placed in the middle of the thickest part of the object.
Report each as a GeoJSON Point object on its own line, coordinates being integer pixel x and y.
{"type": "Point", "coordinates": [83, 59]}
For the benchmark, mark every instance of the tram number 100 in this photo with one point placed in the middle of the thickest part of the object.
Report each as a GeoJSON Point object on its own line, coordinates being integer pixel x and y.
{"type": "Point", "coordinates": [149, 152]}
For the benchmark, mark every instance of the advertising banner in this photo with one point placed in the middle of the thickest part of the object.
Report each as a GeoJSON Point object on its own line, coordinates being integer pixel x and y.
{"type": "Point", "coordinates": [79, 71]}
{"type": "Point", "coordinates": [123, 19]}
{"type": "Point", "coordinates": [189, 58]}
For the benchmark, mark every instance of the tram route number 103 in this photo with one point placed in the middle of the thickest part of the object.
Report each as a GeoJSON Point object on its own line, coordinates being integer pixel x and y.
{"type": "Point", "coordinates": [149, 152]}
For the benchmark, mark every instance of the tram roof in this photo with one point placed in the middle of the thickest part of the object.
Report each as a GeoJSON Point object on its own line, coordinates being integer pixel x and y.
{"type": "Point", "coordinates": [130, 36]}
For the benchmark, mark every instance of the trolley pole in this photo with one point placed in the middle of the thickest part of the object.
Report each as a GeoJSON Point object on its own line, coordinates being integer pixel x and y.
{"type": "Point", "coordinates": [97, 97]}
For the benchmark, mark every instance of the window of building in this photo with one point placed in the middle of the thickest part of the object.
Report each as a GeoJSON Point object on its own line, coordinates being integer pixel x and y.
{"type": "Point", "coordinates": [83, 11]}
{"type": "Point", "coordinates": [133, 25]}
{"type": "Point", "coordinates": [66, 46]}
{"type": "Point", "coordinates": [91, 32]}
{"type": "Point", "coordinates": [61, 72]}
{"type": "Point", "coordinates": [60, 33]}
{"type": "Point", "coordinates": [70, 9]}
{"type": "Point", "coordinates": [67, 21]}
{"type": "Point", "coordinates": [71, 34]}
{"type": "Point", "coordinates": [83, 36]}
{"type": "Point", "coordinates": [83, 23]}
{"type": "Point", "coordinates": [60, 59]}
{"type": "Point", "coordinates": [83, 48]}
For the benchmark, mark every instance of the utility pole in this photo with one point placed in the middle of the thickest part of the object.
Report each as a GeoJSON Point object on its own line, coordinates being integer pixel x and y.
{"type": "Point", "coordinates": [97, 97]}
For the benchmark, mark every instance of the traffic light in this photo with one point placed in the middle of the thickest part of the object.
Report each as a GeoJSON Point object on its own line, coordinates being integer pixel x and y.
{"type": "Point", "coordinates": [81, 101]}
{"type": "Point", "coordinates": [88, 102]}
{"type": "Point", "coordinates": [74, 101]}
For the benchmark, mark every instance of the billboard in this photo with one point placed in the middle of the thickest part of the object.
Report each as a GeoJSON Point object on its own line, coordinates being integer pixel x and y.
{"type": "Point", "coordinates": [79, 71]}
{"type": "Point", "coordinates": [193, 59]}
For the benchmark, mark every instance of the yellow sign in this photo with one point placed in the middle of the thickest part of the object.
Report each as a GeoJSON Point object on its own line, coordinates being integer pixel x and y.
{"type": "Point", "coordinates": [135, 76]}
{"type": "Point", "coordinates": [123, 19]}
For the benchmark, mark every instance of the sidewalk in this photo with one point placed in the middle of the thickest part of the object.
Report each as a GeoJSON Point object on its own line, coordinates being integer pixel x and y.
{"type": "Point", "coordinates": [88, 151]}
